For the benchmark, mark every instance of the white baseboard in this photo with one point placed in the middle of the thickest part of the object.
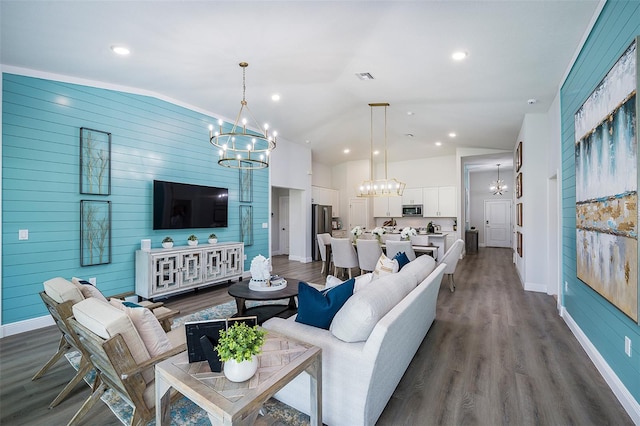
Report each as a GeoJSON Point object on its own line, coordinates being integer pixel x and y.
{"type": "Point", "coordinates": [300, 259]}
{"type": "Point", "coordinates": [26, 325]}
{"type": "Point", "coordinates": [629, 403]}
{"type": "Point", "coordinates": [540, 288]}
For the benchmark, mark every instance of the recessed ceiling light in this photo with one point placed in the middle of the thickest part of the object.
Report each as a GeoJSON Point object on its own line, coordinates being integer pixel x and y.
{"type": "Point", "coordinates": [409, 135]}
{"type": "Point", "coordinates": [346, 151]}
{"type": "Point", "coordinates": [307, 141]}
{"type": "Point", "coordinates": [438, 143]}
{"type": "Point", "coordinates": [376, 152]}
{"type": "Point", "coordinates": [452, 135]}
{"type": "Point", "coordinates": [459, 55]}
{"type": "Point", "coordinates": [410, 112]}
{"type": "Point", "coordinates": [532, 101]}
{"type": "Point", "coordinates": [364, 76]}
{"type": "Point", "coordinates": [120, 50]}
{"type": "Point", "coordinates": [275, 97]}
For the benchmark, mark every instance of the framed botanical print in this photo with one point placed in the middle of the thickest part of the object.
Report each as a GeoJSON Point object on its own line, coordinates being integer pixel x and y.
{"type": "Point", "coordinates": [95, 232]}
{"type": "Point", "coordinates": [95, 162]}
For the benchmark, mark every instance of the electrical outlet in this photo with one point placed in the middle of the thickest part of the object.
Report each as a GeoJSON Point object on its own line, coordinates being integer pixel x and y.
{"type": "Point", "coordinates": [566, 286]}
{"type": "Point", "coordinates": [245, 257]}
{"type": "Point", "coordinates": [92, 280]}
{"type": "Point", "coordinates": [265, 225]}
{"type": "Point", "coordinates": [627, 346]}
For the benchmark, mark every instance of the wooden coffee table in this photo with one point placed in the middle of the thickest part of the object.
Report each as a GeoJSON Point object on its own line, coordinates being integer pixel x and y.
{"type": "Point", "coordinates": [241, 292]}
{"type": "Point", "coordinates": [229, 403]}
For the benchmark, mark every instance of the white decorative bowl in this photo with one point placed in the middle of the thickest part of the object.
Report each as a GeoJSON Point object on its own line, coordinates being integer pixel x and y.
{"type": "Point", "coordinates": [213, 240]}
{"type": "Point", "coordinates": [167, 245]}
{"type": "Point", "coordinates": [192, 243]}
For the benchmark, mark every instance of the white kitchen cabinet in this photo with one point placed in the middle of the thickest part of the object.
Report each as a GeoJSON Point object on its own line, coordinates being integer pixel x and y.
{"type": "Point", "coordinates": [326, 197]}
{"type": "Point", "coordinates": [161, 272]}
{"type": "Point", "coordinates": [412, 196]}
{"type": "Point", "coordinates": [387, 207]}
{"type": "Point", "coordinates": [439, 201]}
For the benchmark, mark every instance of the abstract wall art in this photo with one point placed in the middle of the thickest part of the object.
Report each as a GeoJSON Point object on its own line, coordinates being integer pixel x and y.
{"type": "Point", "coordinates": [606, 161]}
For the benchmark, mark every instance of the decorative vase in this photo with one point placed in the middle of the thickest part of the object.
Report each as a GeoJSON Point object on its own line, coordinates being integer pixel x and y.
{"type": "Point", "coordinates": [167, 245]}
{"type": "Point", "coordinates": [213, 240]}
{"type": "Point", "coordinates": [240, 371]}
{"type": "Point", "coordinates": [192, 242]}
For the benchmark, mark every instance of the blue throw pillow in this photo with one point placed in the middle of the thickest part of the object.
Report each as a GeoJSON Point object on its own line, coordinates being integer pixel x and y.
{"type": "Point", "coordinates": [317, 308]}
{"type": "Point", "coordinates": [131, 304]}
{"type": "Point", "coordinates": [402, 259]}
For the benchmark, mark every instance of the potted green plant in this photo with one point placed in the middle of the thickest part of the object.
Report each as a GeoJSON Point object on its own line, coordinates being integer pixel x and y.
{"type": "Point", "coordinates": [192, 240]}
{"type": "Point", "coordinates": [213, 238]}
{"type": "Point", "coordinates": [237, 347]}
{"type": "Point", "coordinates": [167, 242]}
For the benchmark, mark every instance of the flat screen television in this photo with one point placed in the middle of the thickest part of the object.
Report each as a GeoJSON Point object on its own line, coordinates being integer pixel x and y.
{"type": "Point", "coordinates": [183, 206]}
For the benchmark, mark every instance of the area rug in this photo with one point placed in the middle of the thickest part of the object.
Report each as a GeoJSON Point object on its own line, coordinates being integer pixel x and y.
{"type": "Point", "coordinates": [183, 411]}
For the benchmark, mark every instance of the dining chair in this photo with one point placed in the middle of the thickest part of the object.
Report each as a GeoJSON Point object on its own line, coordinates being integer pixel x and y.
{"type": "Point", "coordinates": [369, 252]}
{"type": "Point", "coordinates": [451, 258]}
{"type": "Point", "coordinates": [344, 255]}
{"type": "Point", "coordinates": [395, 247]}
{"type": "Point", "coordinates": [390, 237]}
{"type": "Point", "coordinates": [324, 240]}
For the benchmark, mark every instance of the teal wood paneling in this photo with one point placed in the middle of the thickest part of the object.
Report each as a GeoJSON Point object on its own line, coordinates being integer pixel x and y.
{"type": "Point", "coordinates": [151, 139]}
{"type": "Point", "coordinates": [604, 325]}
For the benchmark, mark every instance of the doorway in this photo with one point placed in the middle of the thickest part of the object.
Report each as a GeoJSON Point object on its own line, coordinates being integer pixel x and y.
{"type": "Point", "coordinates": [497, 223]}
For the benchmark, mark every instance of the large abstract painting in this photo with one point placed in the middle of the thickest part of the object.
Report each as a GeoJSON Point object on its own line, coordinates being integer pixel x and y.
{"type": "Point", "coordinates": [607, 187]}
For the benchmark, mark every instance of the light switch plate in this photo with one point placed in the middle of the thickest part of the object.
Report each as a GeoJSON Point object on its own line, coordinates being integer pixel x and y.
{"type": "Point", "coordinates": [265, 225]}
{"type": "Point", "coordinates": [23, 234]}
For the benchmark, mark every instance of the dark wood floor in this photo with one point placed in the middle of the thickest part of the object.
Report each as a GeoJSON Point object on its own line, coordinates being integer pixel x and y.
{"type": "Point", "coordinates": [495, 355]}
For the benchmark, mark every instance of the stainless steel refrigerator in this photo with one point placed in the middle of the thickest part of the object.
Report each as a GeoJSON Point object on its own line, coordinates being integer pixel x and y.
{"type": "Point", "coordinates": [320, 224]}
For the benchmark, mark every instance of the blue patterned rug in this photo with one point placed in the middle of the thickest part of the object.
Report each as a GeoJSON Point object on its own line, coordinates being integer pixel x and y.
{"type": "Point", "coordinates": [183, 411]}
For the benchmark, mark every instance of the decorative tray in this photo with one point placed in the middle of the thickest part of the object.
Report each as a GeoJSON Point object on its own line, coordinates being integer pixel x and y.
{"type": "Point", "coordinates": [277, 283]}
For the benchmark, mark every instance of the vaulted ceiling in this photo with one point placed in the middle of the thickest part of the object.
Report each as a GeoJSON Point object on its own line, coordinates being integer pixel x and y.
{"type": "Point", "coordinates": [309, 53]}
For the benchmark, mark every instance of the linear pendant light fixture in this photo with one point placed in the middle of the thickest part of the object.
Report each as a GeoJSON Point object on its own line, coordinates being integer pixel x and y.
{"type": "Point", "coordinates": [386, 187]}
{"type": "Point", "coordinates": [239, 148]}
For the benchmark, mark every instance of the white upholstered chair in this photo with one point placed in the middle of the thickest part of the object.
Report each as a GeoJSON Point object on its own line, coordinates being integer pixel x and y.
{"type": "Point", "coordinates": [369, 252]}
{"type": "Point", "coordinates": [395, 247]}
{"type": "Point", "coordinates": [323, 241]}
{"type": "Point", "coordinates": [451, 258]}
{"type": "Point", "coordinates": [390, 237]}
{"type": "Point", "coordinates": [344, 255]}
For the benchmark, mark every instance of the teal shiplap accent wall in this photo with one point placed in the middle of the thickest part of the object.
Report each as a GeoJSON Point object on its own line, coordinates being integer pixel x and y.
{"type": "Point", "coordinates": [604, 325]}
{"type": "Point", "coordinates": [151, 139]}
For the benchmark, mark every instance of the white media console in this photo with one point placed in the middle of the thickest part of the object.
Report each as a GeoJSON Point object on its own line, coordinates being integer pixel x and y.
{"type": "Point", "coordinates": [162, 272]}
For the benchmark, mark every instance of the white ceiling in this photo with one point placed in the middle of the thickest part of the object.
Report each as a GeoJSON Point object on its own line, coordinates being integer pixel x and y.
{"type": "Point", "coordinates": [309, 53]}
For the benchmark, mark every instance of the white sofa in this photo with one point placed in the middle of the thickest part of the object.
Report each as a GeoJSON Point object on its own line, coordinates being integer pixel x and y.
{"type": "Point", "coordinates": [358, 378]}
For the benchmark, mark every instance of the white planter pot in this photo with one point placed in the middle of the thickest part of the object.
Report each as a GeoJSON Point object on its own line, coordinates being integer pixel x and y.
{"type": "Point", "coordinates": [167, 245]}
{"type": "Point", "coordinates": [192, 243]}
{"type": "Point", "coordinates": [213, 240]}
{"type": "Point", "coordinates": [239, 372]}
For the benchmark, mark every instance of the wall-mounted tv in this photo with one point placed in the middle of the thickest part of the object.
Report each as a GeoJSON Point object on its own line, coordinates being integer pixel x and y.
{"type": "Point", "coordinates": [183, 206]}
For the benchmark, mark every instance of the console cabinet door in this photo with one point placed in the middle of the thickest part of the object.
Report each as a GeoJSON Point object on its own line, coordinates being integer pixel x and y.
{"type": "Point", "coordinates": [235, 260]}
{"type": "Point", "coordinates": [214, 266]}
{"type": "Point", "coordinates": [165, 275]}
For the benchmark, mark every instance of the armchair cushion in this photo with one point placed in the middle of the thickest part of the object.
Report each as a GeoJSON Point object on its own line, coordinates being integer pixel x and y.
{"type": "Point", "coordinates": [62, 290]}
{"type": "Point", "coordinates": [106, 321]}
{"type": "Point", "coordinates": [88, 290]}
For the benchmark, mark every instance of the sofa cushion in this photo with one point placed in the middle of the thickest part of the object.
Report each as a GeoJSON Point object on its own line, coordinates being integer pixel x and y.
{"type": "Point", "coordinates": [360, 314]}
{"type": "Point", "coordinates": [402, 259]}
{"type": "Point", "coordinates": [420, 267]}
{"type": "Point", "coordinates": [317, 308]}
{"type": "Point", "coordinates": [88, 290]}
{"type": "Point", "coordinates": [62, 290]}
{"type": "Point", "coordinates": [385, 266]}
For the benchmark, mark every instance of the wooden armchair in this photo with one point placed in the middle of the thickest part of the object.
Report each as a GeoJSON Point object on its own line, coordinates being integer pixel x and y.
{"type": "Point", "coordinates": [59, 296]}
{"type": "Point", "coordinates": [124, 353]}
{"type": "Point", "coordinates": [61, 312]}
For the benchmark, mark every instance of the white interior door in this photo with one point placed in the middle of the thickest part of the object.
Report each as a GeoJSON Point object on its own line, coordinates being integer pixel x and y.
{"type": "Point", "coordinates": [283, 224]}
{"type": "Point", "coordinates": [497, 223]}
{"type": "Point", "coordinates": [358, 213]}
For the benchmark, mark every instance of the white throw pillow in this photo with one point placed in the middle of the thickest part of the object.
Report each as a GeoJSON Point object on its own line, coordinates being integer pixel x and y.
{"type": "Point", "coordinates": [154, 337]}
{"type": "Point", "coordinates": [62, 290]}
{"type": "Point", "coordinates": [361, 281]}
{"type": "Point", "coordinates": [88, 290]}
{"type": "Point", "coordinates": [385, 266]}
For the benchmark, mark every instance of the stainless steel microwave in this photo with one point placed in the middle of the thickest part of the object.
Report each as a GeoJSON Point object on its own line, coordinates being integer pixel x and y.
{"type": "Point", "coordinates": [412, 210]}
